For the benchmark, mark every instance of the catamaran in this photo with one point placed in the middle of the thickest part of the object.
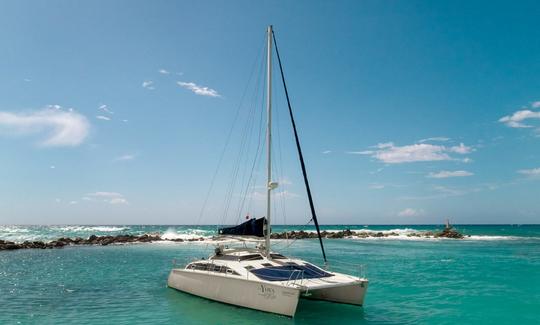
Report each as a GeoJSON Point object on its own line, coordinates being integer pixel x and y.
{"type": "Point", "coordinates": [257, 277]}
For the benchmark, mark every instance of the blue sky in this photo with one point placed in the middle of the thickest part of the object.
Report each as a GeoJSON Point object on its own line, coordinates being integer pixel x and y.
{"type": "Point", "coordinates": [117, 112]}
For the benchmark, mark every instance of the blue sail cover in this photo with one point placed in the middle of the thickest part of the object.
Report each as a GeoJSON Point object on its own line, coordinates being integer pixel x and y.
{"type": "Point", "coordinates": [252, 227]}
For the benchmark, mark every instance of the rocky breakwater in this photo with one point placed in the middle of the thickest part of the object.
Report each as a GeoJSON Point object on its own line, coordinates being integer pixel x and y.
{"type": "Point", "coordinates": [92, 240]}
{"type": "Point", "coordinates": [347, 233]}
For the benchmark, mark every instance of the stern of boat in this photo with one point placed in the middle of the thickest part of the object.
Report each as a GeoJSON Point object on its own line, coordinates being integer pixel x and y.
{"type": "Point", "coordinates": [352, 293]}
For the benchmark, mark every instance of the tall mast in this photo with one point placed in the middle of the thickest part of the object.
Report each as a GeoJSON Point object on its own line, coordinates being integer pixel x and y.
{"type": "Point", "coordinates": [269, 184]}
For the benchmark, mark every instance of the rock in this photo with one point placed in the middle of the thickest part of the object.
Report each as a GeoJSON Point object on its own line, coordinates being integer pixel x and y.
{"type": "Point", "coordinates": [449, 232]}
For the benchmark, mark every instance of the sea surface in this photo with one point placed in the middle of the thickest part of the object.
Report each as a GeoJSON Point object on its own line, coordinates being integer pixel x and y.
{"type": "Point", "coordinates": [491, 277]}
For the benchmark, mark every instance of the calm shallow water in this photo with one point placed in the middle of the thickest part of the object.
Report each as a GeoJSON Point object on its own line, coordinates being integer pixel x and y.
{"type": "Point", "coordinates": [411, 281]}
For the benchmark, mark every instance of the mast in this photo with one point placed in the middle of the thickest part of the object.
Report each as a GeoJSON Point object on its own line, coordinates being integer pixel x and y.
{"type": "Point", "coordinates": [269, 184]}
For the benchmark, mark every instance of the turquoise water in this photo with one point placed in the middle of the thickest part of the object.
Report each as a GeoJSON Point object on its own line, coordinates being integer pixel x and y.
{"type": "Point", "coordinates": [493, 277]}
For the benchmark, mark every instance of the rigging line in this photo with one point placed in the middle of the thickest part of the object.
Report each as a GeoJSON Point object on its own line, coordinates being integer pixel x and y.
{"type": "Point", "coordinates": [300, 156]}
{"type": "Point", "coordinates": [257, 153]}
{"type": "Point", "coordinates": [254, 110]}
{"type": "Point", "coordinates": [244, 138]}
{"type": "Point", "coordinates": [241, 201]}
{"type": "Point", "coordinates": [227, 141]}
{"type": "Point", "coordinates": [280, 168]}
{"type": "Point", "coordinates": [240, 154]}
{"type": "Point", "coordinates": [236, 167]}
{"type": "Point", "coordinates": [259, 158]}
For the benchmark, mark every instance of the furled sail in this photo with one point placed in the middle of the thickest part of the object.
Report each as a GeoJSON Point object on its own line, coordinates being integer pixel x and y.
{"type": "Point", "coordinates": [252, 227]}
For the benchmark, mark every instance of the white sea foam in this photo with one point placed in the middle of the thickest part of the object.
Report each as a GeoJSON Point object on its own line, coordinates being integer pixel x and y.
{"type": "Point", "coordinates": [172, 234]}
{"type": "Point", "coordinates": [90, 228]}
{"type": "Point", "coordinates": [13, 229]}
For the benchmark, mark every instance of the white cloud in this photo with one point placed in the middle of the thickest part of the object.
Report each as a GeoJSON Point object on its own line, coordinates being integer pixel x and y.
{"type": "Point", "coordinates": [326, 152]}
{"type": "Point", "coordinates": [73, 202]}
{"type": "Point", "coordinates": [516, 120]}
{"type": "Point", "coordinates": [52, 167]}
{"type": "Point", "coordinates": [409, 212]}
{"type": "Point", "coordinates": [535, 172]}
{"type": "Point", "coordinates": [376, 186]}
{"type": "Point", "coordinates": [447, 174]}
{"type": "Point", "coordinates": [286, 194]}
{"type": "Point", "coordinates": [391, 154]}
{"type": "Point", "coordinates": [163, 71]}
{"type": "Point", "coordinates": [441, 139]}
{"type": "Point", "coordinates": [284, 181]}
{"type": "Point", "coordinates": [365, 152]}
{"type": "Point", "coordinates": [461, 149]}
{"type": "Point", "coordinates": [105, 109]}
{"type": "Point", "coordinates": [118, 201]}
{"type": "Point", "coordinates": [108, 197]}
{"type": "Point", "coordinates": [148, 84]}
{"type": "Point", "coordinates": [535, 104]}
{"type": "Point", "coordinates": [104, 118]}
{"type": "Point", "coordinates": [60, 127]}
{"type": "Point", "coordinates": [199, 90]}
{"type": "Point", "coordinates": [260, 196]}
{"type": "Point", "coordinates": [125, 121]}
{"type": "Point", "coordinates": [27, 80]}
{"type": "Point", "coordinates": [124, 157]}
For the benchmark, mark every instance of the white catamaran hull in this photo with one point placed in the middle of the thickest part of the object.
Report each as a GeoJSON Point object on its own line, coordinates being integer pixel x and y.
{"type": "Point", "coordinates": [241, 292]}
{"type": "Point", "coordinates": [349, 294]}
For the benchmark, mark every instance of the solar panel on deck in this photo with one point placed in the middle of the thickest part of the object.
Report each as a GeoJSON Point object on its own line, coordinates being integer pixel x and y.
{"type": "Point", "coordinates": [290, 272]}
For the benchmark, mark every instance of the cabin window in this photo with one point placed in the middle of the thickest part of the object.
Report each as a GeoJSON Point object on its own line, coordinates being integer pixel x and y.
{"type": "Point", "coordinates": [266, 264]}
{"type": "Point", "coordinates": [212, 268]}
{"type": "Point", "coordinates": [248, 267]}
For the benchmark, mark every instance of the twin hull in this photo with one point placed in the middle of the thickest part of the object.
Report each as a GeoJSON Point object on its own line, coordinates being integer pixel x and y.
{"type": "Point", "coordinates": [241, 292]}
{"type": "Point", "coordinates": [263, 296]}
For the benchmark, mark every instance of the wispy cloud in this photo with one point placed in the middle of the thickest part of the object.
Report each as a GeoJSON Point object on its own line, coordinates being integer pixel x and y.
{"type": "Point", "coordinates": [125, 157]}
{"type": "Point", "coordinates": [461, 149]}
{"type": "Point", "coordinates": [148, 84]}
{"type": "Point", "coordinates": [516, 120]}
{"type": "Point", "coordinates": [392, 154]}
{"type": "Point", "coordinates": [447, 174]}
{"type": "Point", "coordinates": [326, 152]}
{"type": "Point", "coordinates": [532, 173]}
{"type": "Point", "coordinates": [105, 109]}
{"type": "Point", "coordinates": [163, 71]}
{"type": "Point", "coordinates": [108, 197]}
{"type": "Point", "coordinates": [441, 192]}
{"type": "Point", "coordinates": [259, 196]}
{"type": "Point", "coordinates": [365, 152]}
{"type": "Point", "coordinates": [102, 117]}
{"type": "Point", "coordinates": [199, 90]}
{"type": "Point", "coordinates": [410, 212]}
{"type": "Point", "coordinates": [433, 139]}
{"type": "Point", "coordinates": [61, 128]}
{"type": "Point", "coordinates": [284, 181]}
